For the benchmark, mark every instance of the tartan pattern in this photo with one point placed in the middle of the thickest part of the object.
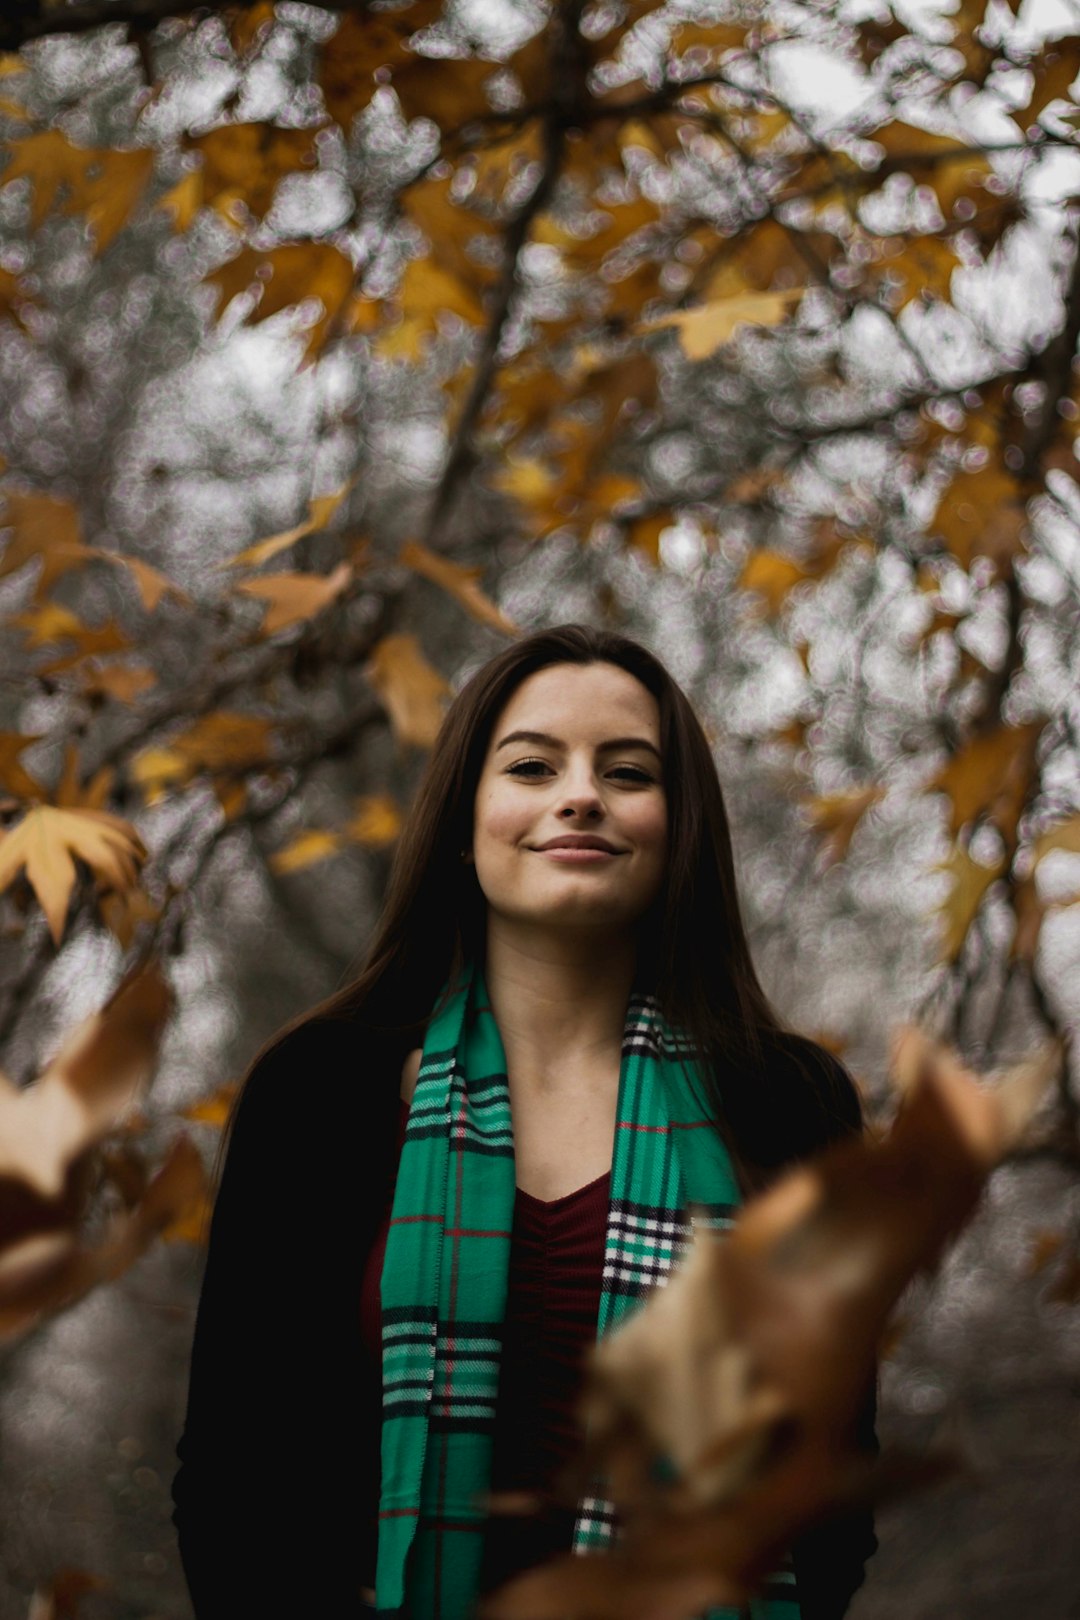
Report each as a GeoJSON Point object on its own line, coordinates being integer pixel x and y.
{"type": "Point", "coordinates": [444, 1284]}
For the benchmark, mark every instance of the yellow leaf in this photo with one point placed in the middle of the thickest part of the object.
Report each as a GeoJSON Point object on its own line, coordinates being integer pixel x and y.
{"type": "Point", "coordinates": [991, 776]}
{"type": "Point", "coordinates": [123, 913]}
{"type": "Point", "coordinates": [643, 534]}
{"type": "Point", "coordinates": [941, 162]}
{"type": "Point", "coordinates": [305, 850]}
{"type": "Point", "coordinates": [772, 576]}
{"type": "Point", "coordinates": [526, 478]}
{"type": "Point", "coordinates": [1054, 71]}
{"type": "Point", "coordinates": [924, 270]}
{"type": "Point", "coordinates": [293, 597]}
{"type": "Point", "coordinates": [1065, 837]}
{"type": "Point", "coordinates": [981, 514]}
{"type": "Point", "coordinates": [249, 25]}
{"type": "Point", "coordinates": [72, 793]}
{"type": "Point", "coordinates": [364, 43]}
{"type": "Point", "coordinates": [427, 289]}
{"type": "Point", "coordinates": [449, 227]}
{"type": "Point", "coordinates": [46, 843]}
{"type": "Point", "coordinates": [448, 90]}
{"type": "Point", "coordinates": [45, 527]}
{"type": "Point", "coordinates": [711, 37]}
{"type": "Point", "coordinates": [413, 693]}
{"type": "Point", "coordinates": [838, 814]}
{"type": "Point", "coordinates": [1029, 912]}
{"type": "Point", "coordinates": [377, 821]}
{"type": "Point", "coordinates": [288, 275]}
{"type": "Point", "coordinates": [13, 775]}
{"type": "Point", "coordinates": [321, 509]}
{"type": "Point", "coordinates": [49, 622]}
{"type": "Point", "coordinates": [970, 882]}
{"type": "Point", "coordinates": [498, 161]}
{"type": "Point", "coordinates": [214, 1109]}
{"type": "Point", "coordinates": [184, 199]}
{"type": "Point", "coordinates": [460, 582]}
{"type": "Point", "coordinates": [243, 163]}
{"type": "Point", "coordinates": [222, 741]}
{"type": "Point", "coordinates": [101, 184]}
{"type": "Point", "coordinates": [704, 330]}
{"type": "Point", "coordinates": [150, 582]}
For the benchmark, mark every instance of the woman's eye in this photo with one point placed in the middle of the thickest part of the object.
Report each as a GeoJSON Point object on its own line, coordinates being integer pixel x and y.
{"type": "Point", "coordinates": [632, 773]}
{"type": "Point", "coordinates": [528, 767]}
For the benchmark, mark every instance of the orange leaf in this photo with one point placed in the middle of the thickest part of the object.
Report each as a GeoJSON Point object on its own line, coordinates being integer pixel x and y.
{"type": "Point", "coordinates": [305, 849]}
{"type": "Point", "coordinates": [377, 821]}
{"type": "Point", "coordinates": [413, 693]}
{"type": "Point", "coordinates": [991, 775]}
{"type": "Point", "coordinates": [707, 328]}
{"type": "Point", "coordinates": [459, 582]}
{"type": "Point", "coordinates": [243, 163]}
{"type": "Point", "coordinates": [294, 597]}
{"type": "Point", "coordinates": [772, 576]}
{"type": "Point", "coordinates": [838, 814]}
{"type": "Point", "coordinates": [13, 775]}
{"type": "Point", "coordinates": [45, 527]}
{"type": "Point", "coordinates": [970, 882]}
{"type": "Point", "coordinates": [321, 509]}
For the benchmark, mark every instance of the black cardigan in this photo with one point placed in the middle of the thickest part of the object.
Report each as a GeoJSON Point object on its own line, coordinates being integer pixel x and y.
{"type": "Point", "coordinates": [275, 1500]}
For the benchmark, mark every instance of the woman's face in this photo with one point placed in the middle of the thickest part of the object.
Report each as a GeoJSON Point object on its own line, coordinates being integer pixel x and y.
{"type": "Point", "coordinates": [570, 821]}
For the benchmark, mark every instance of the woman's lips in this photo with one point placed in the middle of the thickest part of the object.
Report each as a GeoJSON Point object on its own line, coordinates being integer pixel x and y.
{"type": "Point", "coordinates": [578, 857]}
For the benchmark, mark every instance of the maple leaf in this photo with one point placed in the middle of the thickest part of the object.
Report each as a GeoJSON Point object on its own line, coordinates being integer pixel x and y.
{"type": "Point", "coordinates": [46, 844]}
{"type": "Point", "coordinates": [970, 882]}
{"type": "Point", "coordinates": [413, 692]}
{"type": "Point", "coordinates": [838, 814]}
{"type": "Point", "coordinates": [991, 775]}
{"type": "Point", "coordinates": [295, 597]}
{"type": "Point", "coordinates": [243, 163]}
{"type": "Point", "coordinates": [46, 528]}
{"type": "Point", "coordinates": [223, 741]}
{"type": "Point", "coordinates": [720, 1415]}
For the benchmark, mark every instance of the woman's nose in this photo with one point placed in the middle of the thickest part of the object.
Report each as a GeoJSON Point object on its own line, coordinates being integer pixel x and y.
{"type": "Point", "coordinates": [581, 797]}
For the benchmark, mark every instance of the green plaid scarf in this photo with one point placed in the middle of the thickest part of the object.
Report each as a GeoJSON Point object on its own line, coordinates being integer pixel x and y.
{"type": "Point", "coordinates": [444, 1284]}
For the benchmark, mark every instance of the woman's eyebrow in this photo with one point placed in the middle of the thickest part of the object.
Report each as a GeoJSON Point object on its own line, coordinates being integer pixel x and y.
{"type": "Point", "coordinates": [543, 739]}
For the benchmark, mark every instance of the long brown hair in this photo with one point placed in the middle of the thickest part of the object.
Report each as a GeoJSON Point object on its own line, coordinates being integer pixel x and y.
{"type": "Point", "coordinates": [693, 951]}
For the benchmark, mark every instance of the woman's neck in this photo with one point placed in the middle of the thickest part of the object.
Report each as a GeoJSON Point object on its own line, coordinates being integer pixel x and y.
{"type": "Point", "coordinates": [559, 1001]}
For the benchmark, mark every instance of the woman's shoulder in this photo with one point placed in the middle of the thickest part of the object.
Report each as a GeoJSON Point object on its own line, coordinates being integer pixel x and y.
{"type": "Point", "coordinates": [320, 1070]}
{"type": "Point", "coordinates": [801, 1101]}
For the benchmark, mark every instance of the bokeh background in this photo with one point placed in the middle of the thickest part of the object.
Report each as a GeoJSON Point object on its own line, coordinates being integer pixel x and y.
{"type": "Point", "coordinates": [338, 346]}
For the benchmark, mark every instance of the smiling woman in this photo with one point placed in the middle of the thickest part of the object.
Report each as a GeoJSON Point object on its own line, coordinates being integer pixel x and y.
{"type": "Point", "coordinates": [557, 1048]}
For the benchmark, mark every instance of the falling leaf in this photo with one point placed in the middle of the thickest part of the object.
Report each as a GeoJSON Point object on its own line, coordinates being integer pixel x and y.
{"type": "Point", "coordinates": [838, 814]}
{"type": "Point", "coordinates": [970, 882]}
{"type": "Point", "coordinates": [306, 849]}
{"type": "Point", "coordinates": [46, 843]}
{"type": "Point", "coordinates": [151, 584]}
{"type": "Point", "coordinates": [720, 1415]}
{"type": "Point", "coordinates": [413, 692]}
{"type": "Point", "coordinates": [991, 775]}
{"type": "Point", "coordinates": [377, 821]}
{"type": "Point", "coordinates": [459, 582]}
{"type": "Point", "coordinates": [92, 1082]}
{"type": "Point", "coordinates": [321, 509]}
{"type": "Point", "coordinates": [295, 597]}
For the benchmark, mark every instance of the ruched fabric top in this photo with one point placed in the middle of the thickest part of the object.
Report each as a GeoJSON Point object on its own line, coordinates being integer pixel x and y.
{"type": "Point", "coordinates": [553, 1298]}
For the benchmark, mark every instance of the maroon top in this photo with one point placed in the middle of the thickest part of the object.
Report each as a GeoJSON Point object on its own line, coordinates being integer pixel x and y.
{"type": "Point", "coordinates": [552, 1302]}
